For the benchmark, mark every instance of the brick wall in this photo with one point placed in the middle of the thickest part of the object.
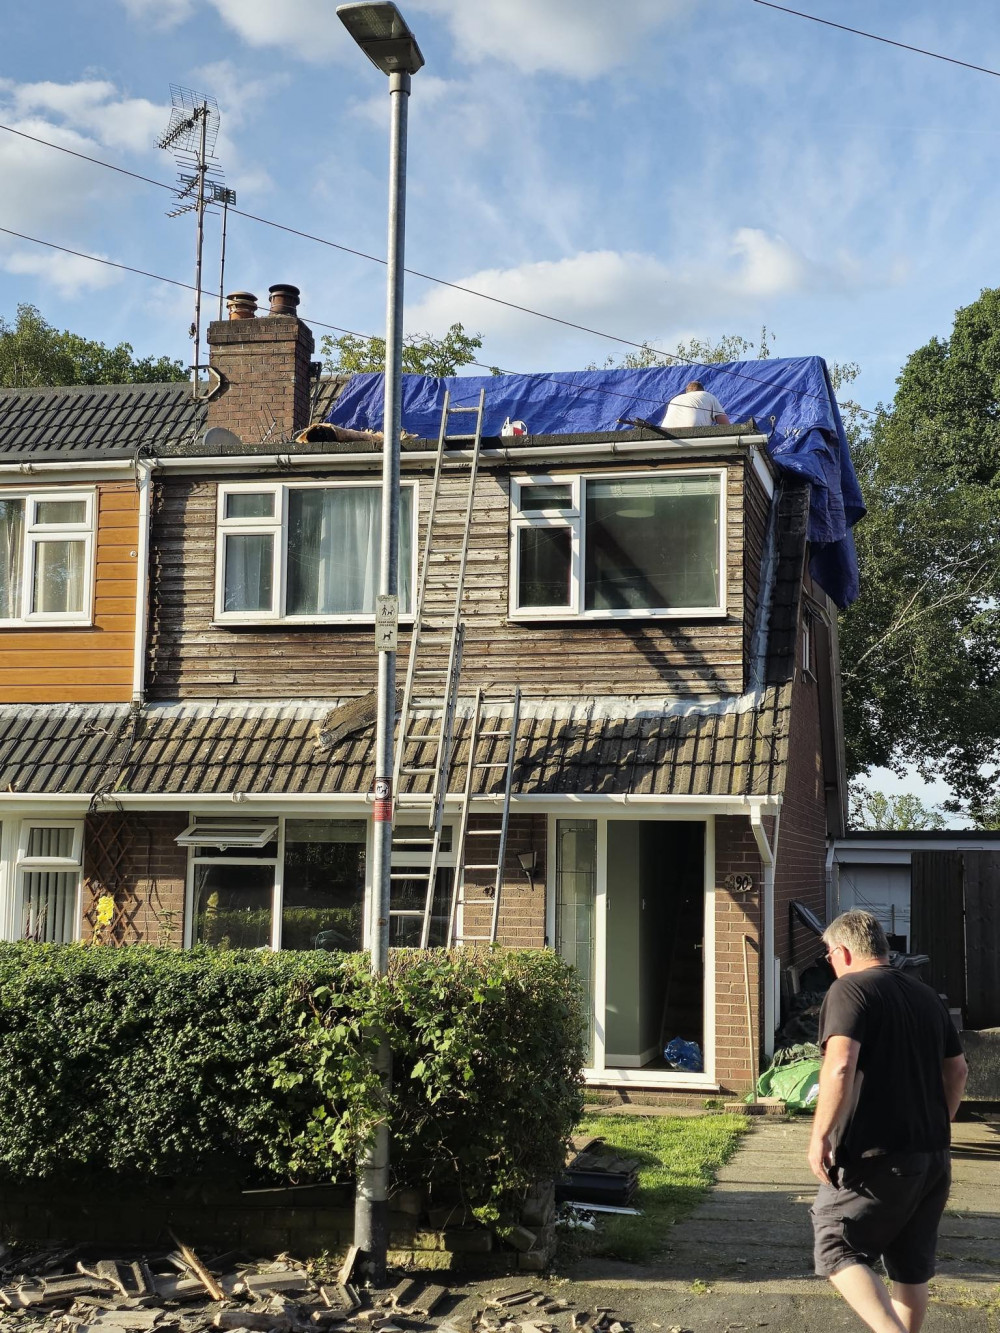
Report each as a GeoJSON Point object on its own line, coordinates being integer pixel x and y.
{"type": "Point", "coordinates": [265, 367]}
{"type": "Point", "coordinates": [153, 876]}
{"type": "Point", "coordinates": [801, 862]}
{"type": "Point", "coordinates": [522, 906]}
{"type": "Point", "coordinates": [736, 915]}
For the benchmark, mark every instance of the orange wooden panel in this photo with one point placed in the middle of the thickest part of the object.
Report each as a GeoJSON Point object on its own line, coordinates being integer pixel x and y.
{"type": "Point", "coordinates": [60, 676]}
{"type": "Point", "coordinates": [104, 693]}
{"type": "Point", "coordinates": [68, 642]}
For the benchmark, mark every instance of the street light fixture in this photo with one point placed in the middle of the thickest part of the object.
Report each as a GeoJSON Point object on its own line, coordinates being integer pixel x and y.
{"type": "Point", "coordinates": [381, 32]}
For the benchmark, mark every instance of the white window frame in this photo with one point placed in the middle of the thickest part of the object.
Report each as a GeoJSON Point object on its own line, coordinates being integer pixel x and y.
{"type": "Point", "coordinates": [574, 518]}
{"type": "Point", "coordinates": [24, 863]}
{"type": "Point", "coordinates": [277, 527]}
{"type": "Point", "coordinates": [35, 534]}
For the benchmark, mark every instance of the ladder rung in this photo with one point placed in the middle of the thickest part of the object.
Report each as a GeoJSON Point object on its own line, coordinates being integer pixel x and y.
{"type": "Point", "coordinates": [395, 875]}
{"type": "Point", "coordinates": [481, 866]}
{"type": "Point", "coordinates": [500, 763]}
{"type": "Point", "coordinates": [431, 671]}
{"type": "Point", "coordinates": [462, 409]}
{"type": "Point", "coordinates": [483, 735]}
{"type": "Point", "coordinates": [413, 842]}
{"type": "Point", "coordinates": [476, 902]}
{"type": "Point", "coordinates": [454, 439]}
{"type": "Point", "coordinates": [411, 768]}
{"type": "Point", "coordinates": [481, 832]}
{"type": "Point", "coordinates": [464, 939]}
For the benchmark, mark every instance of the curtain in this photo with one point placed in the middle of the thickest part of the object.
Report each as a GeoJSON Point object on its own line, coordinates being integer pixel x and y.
{"type": "Point", "coordinates": [59, 568]}
{"type": "Point", "coordinates": [249, 567]}
{"type": "Point", "coordinates": [49, 905]}
{"type": "Point", "coordinates": [333, 550]}
{"type": "Point", "coordinates": [11, 557]}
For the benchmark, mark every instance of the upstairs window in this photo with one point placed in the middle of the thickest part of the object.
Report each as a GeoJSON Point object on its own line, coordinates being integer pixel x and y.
{"type": "Point", "coordinates": [306, 553]}
{"type": "Point", "coordinates": [621, 546]}
{"type": "Point", "coordinates": [46, 557]}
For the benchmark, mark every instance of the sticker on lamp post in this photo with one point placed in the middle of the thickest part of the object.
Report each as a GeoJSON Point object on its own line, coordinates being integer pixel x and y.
{"type": "Point", "coordinates": [386, 623]}
{"type": "Point", "coordinates": [382, 804]}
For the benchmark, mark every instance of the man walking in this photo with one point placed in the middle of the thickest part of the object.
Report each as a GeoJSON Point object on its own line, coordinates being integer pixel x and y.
{"type": "Point", "coordinates": [892, 1079]}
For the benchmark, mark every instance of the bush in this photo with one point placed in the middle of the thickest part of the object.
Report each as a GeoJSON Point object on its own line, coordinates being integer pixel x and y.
{"type": "Point", "coordinates": [257, 1067]}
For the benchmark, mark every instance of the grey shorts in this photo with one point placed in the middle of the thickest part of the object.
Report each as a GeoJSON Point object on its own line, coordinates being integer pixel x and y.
{"type": "Point", "coordinates": [886, 1207]}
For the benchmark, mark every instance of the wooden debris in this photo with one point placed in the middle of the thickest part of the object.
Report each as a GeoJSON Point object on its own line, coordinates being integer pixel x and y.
{"type": "Point", "coordinates": [348, 1266]}
{"type": "Point", "coordinates": [199, 1269]}
{"type": "Point", "coordinates": [179, 1288]}
{"type": "Point", "coordinates": [513, 1297]}
{"type": "Point", "coordinates": [349, 1295]}
{"type": "Point", "coordinates": [275, 1281]}
{"type": "Point", "coordinates": [403, 1295]}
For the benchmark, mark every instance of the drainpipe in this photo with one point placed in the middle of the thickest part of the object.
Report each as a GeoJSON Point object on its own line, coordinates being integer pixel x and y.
{"type": "Point", "coordinates": [768, 855]}
{"type": "Point", "coordinates": [143, 479]}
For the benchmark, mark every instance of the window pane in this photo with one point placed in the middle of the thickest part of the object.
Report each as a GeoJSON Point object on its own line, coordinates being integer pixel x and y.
{"type": "Point", "coordinates": [324, 884]}
{"type": "Point", "coordinates": [11, 557]}
{"type": "Point", "coordinates": [244, 504]}
{"type": "Point", "coordinates": [333, 550]}
{"type": "Point", "coordinates": [576, 887]}
{"type": "Point", "coordinates": [61, 511]}
{"type": "Point", "coordinates": [544, 567]}
{"type": "Point", "coordinates": [232, 906]}
{"type": "Point", "coordinates": [59, 577]}
{"type": "Point", "coordinates": [534, 498]}
{"type": "Point", "coordinates": [410, 895]}
{"type": "Point", "coordinates": [48, 912]}
{"type": "Point", "coordinates": [652, 543]}
{"type": "Point", "coordinates": [249, 568]}
{"type": "Point", "coordinates": [54, 842]}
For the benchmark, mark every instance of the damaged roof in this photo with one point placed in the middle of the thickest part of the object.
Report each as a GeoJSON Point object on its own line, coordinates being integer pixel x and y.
{"type": "Point", "coordinates": [735, 749]}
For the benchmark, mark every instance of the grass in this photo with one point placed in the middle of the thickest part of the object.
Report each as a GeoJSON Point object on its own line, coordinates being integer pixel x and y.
{"type": "Point", "coordinates": [679, 1158]}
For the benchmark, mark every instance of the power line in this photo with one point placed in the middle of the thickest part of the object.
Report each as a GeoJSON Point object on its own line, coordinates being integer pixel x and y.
{"type": "Point", "coordinates": [368, 337]}
{"type": "Point", "coordinates": [669, 357]}
{"type": "Point", "coordinates": [874, 36]}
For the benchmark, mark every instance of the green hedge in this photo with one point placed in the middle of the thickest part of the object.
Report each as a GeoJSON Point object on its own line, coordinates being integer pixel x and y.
{"type": "Point", "coordinates": [257, 1067]}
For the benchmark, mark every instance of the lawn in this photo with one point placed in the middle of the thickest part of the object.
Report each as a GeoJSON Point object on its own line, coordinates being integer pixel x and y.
{"type": "Point", "coordinates": [679, 1155]}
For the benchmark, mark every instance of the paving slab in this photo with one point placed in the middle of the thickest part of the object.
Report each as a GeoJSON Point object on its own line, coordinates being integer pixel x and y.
{"type": "Point", "coordinates": [743, 1258]}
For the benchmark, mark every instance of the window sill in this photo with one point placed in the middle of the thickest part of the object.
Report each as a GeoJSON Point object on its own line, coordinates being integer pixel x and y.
{"type": "Point", "coordinates": [545, 615]}
{"type": "Point", "coordinates": [35, 623]}
{"type": "Point", "coordinates": [305, 622]}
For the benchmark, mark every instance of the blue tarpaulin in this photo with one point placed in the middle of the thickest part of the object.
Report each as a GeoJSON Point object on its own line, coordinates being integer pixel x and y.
{"type": "Point", "coordinates": [790, 398]}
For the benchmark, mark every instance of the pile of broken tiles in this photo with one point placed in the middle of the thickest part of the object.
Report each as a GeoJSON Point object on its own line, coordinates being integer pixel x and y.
{"type": "Point", "coordinates": [68, 1291]}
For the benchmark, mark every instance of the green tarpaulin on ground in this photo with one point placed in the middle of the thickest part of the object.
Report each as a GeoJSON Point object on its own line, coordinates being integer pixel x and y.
{"type": "Point", "coordinates": [797, 1084]}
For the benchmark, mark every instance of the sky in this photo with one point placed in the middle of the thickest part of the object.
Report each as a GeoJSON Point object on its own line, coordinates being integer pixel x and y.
{"type": "Point", "coordinates": [655, 169]}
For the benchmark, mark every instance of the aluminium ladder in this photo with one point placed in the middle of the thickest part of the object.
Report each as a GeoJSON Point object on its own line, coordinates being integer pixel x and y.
{"type": "Point", "coordinates": [430, 692]}
{"type": "Point", "coordinates": [501, 732]}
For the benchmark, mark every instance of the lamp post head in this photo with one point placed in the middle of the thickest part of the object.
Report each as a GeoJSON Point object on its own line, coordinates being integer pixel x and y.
{"type": "Point", "coordinates": [382, 33]}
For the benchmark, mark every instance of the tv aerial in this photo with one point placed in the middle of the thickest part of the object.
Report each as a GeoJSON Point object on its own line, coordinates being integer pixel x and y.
{"type": "Point", "coordinates": [191, 136]}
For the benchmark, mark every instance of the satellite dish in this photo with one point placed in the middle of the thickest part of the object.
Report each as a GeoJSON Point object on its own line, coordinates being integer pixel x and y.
{"type": "Point", "coordinates": [218, 440]}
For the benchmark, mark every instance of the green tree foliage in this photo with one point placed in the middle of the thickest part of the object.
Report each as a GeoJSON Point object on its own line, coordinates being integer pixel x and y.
{"type": "Point", "coordinates": [422, 353]}
{"type": "Point", "coordinates": [33, 353]}
{"type": "Point", "coordinates": [919, 649]}
{"type": "Point", "coordinates": [702, 351]}
{"type": "Point", "coordinates": [875, 810]}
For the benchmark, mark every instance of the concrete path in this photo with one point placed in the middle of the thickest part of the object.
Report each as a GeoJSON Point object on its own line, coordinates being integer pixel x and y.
{"type": "Point", "coordinates": [743, 1258]}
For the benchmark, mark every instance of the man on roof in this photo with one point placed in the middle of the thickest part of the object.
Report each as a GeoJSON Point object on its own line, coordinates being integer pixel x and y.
{"type": "Point", "coordinates": [694, 407]}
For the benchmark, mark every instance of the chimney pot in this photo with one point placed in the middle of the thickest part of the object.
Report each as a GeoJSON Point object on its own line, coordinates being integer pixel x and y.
{"type": "Point", "coordinates": [284, 299]}
{"type": "Point", "coordinates": [241, 305]}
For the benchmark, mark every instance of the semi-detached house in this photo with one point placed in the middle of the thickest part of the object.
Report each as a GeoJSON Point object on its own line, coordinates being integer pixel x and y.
{"type": "Point", "coordinates": [187, 663]}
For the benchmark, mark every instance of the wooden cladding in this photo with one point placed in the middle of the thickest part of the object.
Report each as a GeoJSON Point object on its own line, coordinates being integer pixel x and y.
{"type": "Point", "coordinates": [87, 663]}
{"type": "Point", "coordinates": [192, 657]}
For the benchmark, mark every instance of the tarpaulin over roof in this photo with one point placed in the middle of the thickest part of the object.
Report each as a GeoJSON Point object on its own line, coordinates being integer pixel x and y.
{"type": "Point", "coordinates": [790, 398]}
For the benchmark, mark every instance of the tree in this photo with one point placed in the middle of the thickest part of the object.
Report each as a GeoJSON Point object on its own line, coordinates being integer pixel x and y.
{"type": "Point", "coordinates": [34, 353]}
{"type": "Point", "coordinates": [875, 810]}
{"type": "Point", "coordinates": [919, 649]}
{"type": "Point", "coordinates": [422, 353]}
{"type": "Point", "coordinates": [702, 351]}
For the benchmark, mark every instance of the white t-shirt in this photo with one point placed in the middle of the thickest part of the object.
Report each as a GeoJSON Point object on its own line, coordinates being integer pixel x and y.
{"type": "Point", "coordinates": [698, 408]}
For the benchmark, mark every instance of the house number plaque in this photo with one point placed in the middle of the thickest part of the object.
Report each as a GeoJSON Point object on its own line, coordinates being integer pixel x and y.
{"type": "Point", "coordinates": [739, 883]}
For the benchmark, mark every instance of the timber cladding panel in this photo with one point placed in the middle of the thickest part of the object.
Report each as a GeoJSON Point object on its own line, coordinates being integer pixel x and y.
{"type": "Point", "coordinates": [191, 657]}
{"type": "Point", "coordinates": [92, 663]}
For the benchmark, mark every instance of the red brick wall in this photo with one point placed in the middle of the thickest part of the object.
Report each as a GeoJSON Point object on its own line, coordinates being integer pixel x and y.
{"type": "Point", "coordinates": [736, 915]}
{"type": "Point", "coordinates": [800, 870]}
{"type": "Point", "coordinates": [265, 364]}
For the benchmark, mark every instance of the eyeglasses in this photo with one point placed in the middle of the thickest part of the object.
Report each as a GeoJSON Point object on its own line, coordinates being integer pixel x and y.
{"type": "Point", "coordinates": [831, 952]}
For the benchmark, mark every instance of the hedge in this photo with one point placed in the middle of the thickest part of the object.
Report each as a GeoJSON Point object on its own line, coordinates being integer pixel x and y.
{"type": "Point", "coordinates": [256, 1067]}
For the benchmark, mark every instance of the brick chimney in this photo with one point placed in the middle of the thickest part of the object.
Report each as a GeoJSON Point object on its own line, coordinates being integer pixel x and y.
{"type": "Point", "coordinates": [264, 365]}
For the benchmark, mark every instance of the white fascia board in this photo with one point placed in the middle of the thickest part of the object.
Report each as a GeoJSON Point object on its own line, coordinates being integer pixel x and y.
{"type": "Point", "coordinates": [97, 470]}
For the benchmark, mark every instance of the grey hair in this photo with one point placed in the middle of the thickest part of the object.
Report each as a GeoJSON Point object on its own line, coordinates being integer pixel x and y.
{"type": "Point", "coordinates": [861, 932]}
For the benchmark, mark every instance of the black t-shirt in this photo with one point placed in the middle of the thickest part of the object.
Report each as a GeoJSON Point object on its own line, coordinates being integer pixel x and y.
{"type": "Point", "coordinates": [905, 1033]}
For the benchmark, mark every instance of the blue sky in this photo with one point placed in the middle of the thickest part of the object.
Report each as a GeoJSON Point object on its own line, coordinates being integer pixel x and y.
{"type": "Point", "coordinates": [659, 169]}
{"type": "Point", "coordinates": [655, 168]}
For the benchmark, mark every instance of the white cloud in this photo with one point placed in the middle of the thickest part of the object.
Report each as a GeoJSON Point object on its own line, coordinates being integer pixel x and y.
{"type": "Point", "coordinates": [308, 28]}
{"type": "Point", "coordinates": [632, 295]}
{"type": "Point", "coordinates": [70, 275]}
{"type": "Point", "coordinates": [579, 38]}
{"type": "Point", "coordinates": [96, 106]}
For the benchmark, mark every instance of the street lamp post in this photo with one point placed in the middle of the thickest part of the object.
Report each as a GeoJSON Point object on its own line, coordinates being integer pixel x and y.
{"type": "Point", "coordinates": [381, 32]}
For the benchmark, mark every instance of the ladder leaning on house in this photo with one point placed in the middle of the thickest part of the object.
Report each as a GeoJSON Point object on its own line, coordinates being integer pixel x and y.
{"type": "Point", "coordinates": [430, 692]}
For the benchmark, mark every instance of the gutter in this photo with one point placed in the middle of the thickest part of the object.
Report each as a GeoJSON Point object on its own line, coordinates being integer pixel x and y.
{"type": "Point", "coordinates": [144, 468]}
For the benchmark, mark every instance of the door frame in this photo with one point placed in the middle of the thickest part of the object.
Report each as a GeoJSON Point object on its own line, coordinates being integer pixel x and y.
{"type": "Point", "coordinates": [599, 1074]}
